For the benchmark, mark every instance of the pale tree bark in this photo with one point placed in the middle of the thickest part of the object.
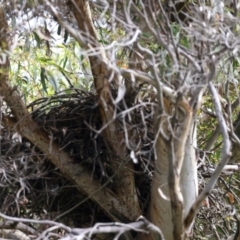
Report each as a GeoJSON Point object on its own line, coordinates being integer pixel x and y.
{"type": "Point", "coordinates": [226, 154]}
{"type": "Point", "coordinates": [172, 196]}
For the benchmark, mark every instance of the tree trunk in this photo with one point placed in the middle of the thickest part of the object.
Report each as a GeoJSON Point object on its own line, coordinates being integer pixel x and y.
{"type": "Point", "coordinates": [162, 206]}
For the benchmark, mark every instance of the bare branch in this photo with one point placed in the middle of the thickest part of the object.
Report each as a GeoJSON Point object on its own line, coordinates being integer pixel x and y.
{"type": "Point", "coordinates": [142, 226]}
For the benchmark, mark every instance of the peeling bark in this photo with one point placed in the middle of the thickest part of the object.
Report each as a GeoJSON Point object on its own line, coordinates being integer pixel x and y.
{"type": "Point", "coordinates": [174, 186]}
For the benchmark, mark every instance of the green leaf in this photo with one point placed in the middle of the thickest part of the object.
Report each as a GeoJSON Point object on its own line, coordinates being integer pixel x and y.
{"type": "Point", "coordinates": [146, 35]}
{"type": "Point", "coordinates": [65, 61]}
{"type": "Point", "coordinates": [43, 78]}
{"type": "Point", "coordinates": [37, 38]}
{"type": "Point", "coordinates": [44, 60]}
{"type": "Point", "coordinates": [53, 81]}
{"type": "Point", "coordinates": [51, 63]}
{"type": "Point", "coordinates": [103, 42]}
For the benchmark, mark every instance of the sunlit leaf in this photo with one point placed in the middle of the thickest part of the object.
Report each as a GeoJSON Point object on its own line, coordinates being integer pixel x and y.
{"type": "Point", "coordinates": [44, 60]}
{"type": "Point", "coordinates": [65, 61]}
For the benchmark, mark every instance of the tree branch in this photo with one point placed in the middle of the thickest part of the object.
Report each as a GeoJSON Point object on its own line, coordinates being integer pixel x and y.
{"type": "Point", "coordinates": [114, 133]}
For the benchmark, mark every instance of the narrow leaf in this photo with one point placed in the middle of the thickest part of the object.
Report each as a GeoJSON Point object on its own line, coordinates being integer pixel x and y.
{"type": "Point", "coordinates": [65, 36]}
{"type": "Point", "coordinates": [59, 29]}
{"type": "Point", "coordinates": [65, 61]}
{"type": "Point", "coordinates": [53, 81]}
{"type": "Point", "coordinates": [37, 38]}
{"type": "Point", "coordinates": [43, 76]}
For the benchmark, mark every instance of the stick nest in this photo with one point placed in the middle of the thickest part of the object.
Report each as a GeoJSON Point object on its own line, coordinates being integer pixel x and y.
{"type": "Point", "coordinates": [33, 187]}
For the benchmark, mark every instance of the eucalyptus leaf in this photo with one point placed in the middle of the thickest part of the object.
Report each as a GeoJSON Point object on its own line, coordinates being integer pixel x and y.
{"type": "Point", "coordinates": [37, 38]}
{"type": "Point", "coordinates": [59, 29]}
{"type": "Point", "coordinates": [43, 79]}
{"type": "Point", "coordinates": [66, 34]}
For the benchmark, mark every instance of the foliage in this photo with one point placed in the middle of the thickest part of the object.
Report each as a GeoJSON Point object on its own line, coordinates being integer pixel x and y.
{"type": "Point", "coordinates": [52, 67]}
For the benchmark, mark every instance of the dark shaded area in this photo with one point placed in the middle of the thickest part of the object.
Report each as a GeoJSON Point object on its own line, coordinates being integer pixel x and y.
{"type": "Point", "coordinates": [34, 188]}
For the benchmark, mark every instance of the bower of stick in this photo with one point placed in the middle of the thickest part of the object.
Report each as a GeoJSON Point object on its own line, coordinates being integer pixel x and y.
{"type": "Point", "coordinates": [32, 187]}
